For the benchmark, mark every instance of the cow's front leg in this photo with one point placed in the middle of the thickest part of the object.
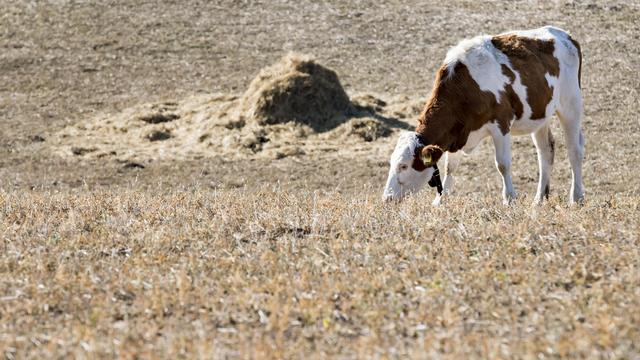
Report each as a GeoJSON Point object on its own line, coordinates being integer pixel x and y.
{"type": "Point", "coordinates": [451, 162]}
{"type": "Point", "coordinates": [502, 144]}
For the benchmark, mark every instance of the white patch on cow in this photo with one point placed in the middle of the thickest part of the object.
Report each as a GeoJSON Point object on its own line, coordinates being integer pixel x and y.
{"type": "Point", "coordinates": [543, 33]}
{"type": "Point", "coordinates": [460, 51]}
{"type": "Point", "coordinates": [405, 147]}
{"type": "Point", "coordinates": [403, 178]}
{"type": "Point", "coordinates": [527, 126]}
{"type": "Point", "coordinates": [552, 81]}
{"type": "Point", "coordinates": [483, 61]}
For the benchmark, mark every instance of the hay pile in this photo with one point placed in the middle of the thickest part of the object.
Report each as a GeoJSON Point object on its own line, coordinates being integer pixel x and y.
{"type": "Point", "coordinates": [291, 108]}
{"type": "Point", "coordinates": [297, 89]}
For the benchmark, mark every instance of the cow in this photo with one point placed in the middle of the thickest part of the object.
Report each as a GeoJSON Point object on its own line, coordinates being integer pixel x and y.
{"type": "Point", "coordinates": [496, 86]}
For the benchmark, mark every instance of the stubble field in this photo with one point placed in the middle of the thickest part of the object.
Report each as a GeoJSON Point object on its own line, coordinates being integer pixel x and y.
{"type": "Point", "coordinates": [283, 248]}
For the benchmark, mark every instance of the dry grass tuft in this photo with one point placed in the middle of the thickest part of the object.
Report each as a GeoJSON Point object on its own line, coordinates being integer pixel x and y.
{"type": "Point", "coordinates": [271, 273]}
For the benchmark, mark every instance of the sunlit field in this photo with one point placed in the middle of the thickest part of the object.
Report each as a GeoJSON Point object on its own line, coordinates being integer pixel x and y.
{"type": "Point", "coordinates": [158, 200]}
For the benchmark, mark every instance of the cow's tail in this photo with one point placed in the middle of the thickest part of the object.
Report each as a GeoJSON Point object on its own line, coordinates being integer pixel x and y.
{"type": "Point", "coordinates": [577, 45]}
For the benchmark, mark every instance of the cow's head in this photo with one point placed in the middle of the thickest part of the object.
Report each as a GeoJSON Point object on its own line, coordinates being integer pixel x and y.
{"type": "Point", "coordinates": [411, 166]}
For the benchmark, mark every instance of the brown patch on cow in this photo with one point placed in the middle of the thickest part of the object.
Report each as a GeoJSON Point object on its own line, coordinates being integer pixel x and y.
{"type": "Point", "coordinates": [532, 59]}
{"type": "Point", "coordinates": [510, 95]}
{"type": "Point", "coordinates": [458, 106]}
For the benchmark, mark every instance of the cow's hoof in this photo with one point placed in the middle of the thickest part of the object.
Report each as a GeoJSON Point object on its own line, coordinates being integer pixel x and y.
{"type": "Point", "coordinates": [577, 202]}
{"type": "Point", "coordinates": [509, 200]}
{"type": "Point", "coordinates": [437, 201]}
{"type": "Point", "coordinates": [538, 201]}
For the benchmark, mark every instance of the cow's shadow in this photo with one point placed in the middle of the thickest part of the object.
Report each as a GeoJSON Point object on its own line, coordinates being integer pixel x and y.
{"type": "Point", "coordinates": [359, 111]}
{"type": "Point", "coordinates": [364, 111]}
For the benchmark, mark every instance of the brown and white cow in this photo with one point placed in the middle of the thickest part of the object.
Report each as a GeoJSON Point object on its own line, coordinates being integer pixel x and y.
{"type": "Point", "coordinates": [497, 86]}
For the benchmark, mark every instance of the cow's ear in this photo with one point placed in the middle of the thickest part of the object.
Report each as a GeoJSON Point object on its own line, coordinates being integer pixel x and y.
{"type": "Point", "coordinates": [430, 155]}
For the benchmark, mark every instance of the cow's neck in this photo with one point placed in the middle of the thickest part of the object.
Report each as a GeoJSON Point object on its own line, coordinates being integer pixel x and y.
{"type": "Point", "coordinates": [436, 127]}
{"type": "Point", "coordinates": [456, 107]}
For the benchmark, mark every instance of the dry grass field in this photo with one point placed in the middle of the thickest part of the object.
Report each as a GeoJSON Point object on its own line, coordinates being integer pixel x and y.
{"type": "Point", "coordinates": [266, 273]}
{"type": "Point", "coordinates": [144, 215]}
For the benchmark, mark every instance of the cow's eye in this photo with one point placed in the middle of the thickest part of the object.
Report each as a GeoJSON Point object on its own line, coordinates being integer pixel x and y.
{"type": "Point", "coordinates": [402, 167]}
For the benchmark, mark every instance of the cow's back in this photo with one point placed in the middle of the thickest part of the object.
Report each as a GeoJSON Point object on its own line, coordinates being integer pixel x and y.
{"type": "Point", "coordinates": [514, 80]}
{"type": "Point", "coordinates": [527, 69]}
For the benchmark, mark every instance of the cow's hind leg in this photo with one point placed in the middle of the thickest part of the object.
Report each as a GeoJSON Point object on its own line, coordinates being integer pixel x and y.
{"type": "Point", "coordinates": [545, 145]}
{"type": "Point", "coordinates": [570, 115]}
{"type": "Point", "coordinates": [502, 144]}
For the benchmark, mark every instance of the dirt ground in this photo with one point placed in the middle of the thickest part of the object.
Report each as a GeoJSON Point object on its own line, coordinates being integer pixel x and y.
{"type": "Point", "coordinates": [67, 65]}
{"type": "Point", "coordinates": [63, 62]}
